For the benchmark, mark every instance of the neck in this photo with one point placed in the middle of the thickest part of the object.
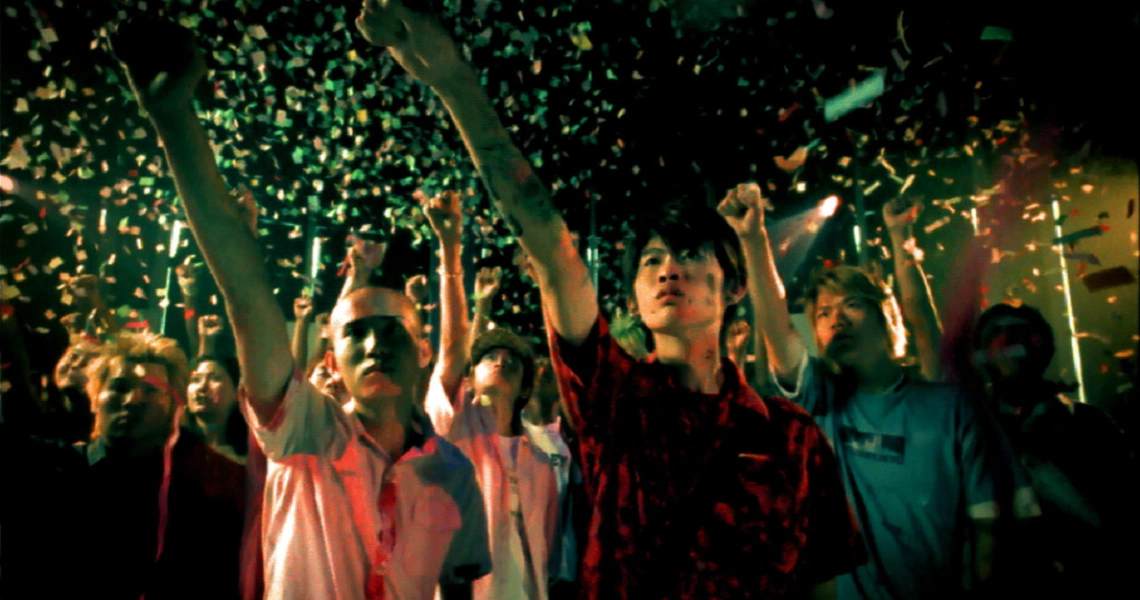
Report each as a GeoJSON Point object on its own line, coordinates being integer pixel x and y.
{"type": "Point", "coordinates": [135, 449]}
{"type": "Point", "coordinates": [387, 421]}
{"type": "Point", "coordinates": [1021, 391]}
{"type": "Point", "coordinates": [211, 430]}
{"type": "Point", "coordinates": [696, 357]}
{"type": "Point", "coordinates": [877, 375]}
{"type": "Point", "coordinates": [506, 424]}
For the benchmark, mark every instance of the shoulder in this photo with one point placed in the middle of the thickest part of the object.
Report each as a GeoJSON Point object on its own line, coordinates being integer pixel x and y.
{"type": "Point", "coordinates": [782, 415]}
{"type": "Point", "coordinates": [450, 459]}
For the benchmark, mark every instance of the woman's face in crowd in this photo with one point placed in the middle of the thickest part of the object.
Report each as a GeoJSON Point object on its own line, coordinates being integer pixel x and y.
{"type": "Point", "coordinates": [678, 292]}
{"type": "Point", "coordinates": [135, 404]}
{"type": "Point", "coordinates": [211, 392]}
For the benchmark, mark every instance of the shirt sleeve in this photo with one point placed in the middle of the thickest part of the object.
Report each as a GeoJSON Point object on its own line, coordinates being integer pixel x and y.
{"type": "Point", "coordinates": [469, 555]}
{"type": "Point", "coordinates": [306, 422]}
{"type": "Point", "coordinates": [438, 405]}
{"type": "Point", "coordinates": [803, 390]}
{"type": "Point", "coordinates": [834, 543]}
{"type": "Point", "coordinates": [582, 374]}
{"type": "Point", "coordinates": [979, 456]}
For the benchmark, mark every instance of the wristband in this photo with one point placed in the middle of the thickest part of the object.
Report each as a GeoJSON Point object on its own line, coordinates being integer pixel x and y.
{"type": "Point", "coordinates": [188, 314]}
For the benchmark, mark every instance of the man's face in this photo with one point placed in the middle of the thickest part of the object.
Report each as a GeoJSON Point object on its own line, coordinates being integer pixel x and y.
{"type": "Point", "coordinates": [135, 404]}
{"type": "Point", "coordinates": [69, 371]}
{"type": "Point", "coordinates": [678, 292]}
{"type": "Point", "coordinates": [211, 392]}
{"type": "Point", "coordinates": [1007, 346]}
{"type": "Point", "coordinates": [499, 370]}
{"type": "Point", "coordinates": [848, 329]}
{"type": "Point", "coordinates": [376, 352]}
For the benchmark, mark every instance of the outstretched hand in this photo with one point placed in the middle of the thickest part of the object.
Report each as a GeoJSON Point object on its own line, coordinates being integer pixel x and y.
{"type": "Point", "coordinates": [900, 215]}
{"type": "Point", "coordinates": [743, 209]}
{"type": "Point", "coordinates": [416, 288]}
{"type": "Point", "coordinates": [302, 308]}
{"type": "Point", "coordinates": [413, 33]}
{"type": "Point", "coordinates": [445, 215]}
{"type": "Point", "coordinates": [209, 326]}
{"type": "Point", "coordinates": [487, 283]}
{"type": "Point", "coordinates": [364, 257]}
{"type": "Point", "coordinates": [162, 60]}
{"type": "Point", "coordinates": [187, 273]}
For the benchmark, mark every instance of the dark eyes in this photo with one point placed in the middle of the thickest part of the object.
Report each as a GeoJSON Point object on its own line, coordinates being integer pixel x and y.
{"type": "Point", "coordinates": [682, 256]}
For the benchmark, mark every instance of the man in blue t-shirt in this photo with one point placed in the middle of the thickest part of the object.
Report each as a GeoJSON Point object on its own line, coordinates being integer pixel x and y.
{"type": "Point", "coordinates": [916, 457]}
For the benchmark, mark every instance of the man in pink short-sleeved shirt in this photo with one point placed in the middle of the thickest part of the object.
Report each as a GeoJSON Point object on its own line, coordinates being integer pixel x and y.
{"type": "Point", "coordinates": [364, 505]}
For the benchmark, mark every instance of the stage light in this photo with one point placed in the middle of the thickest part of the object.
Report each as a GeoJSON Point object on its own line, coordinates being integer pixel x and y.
{"type": "Point", "coordinates": [7, 184]}
{"type": "Point", "coordinates": [829, 205]}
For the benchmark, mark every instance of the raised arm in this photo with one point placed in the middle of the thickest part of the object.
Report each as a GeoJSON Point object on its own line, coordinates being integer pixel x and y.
{"type": "Point", "coordinates": [164, 65]}
{"type": "Point", "coordinates": [445, 214]}
{"type": "Point", "coordinates": [743, 209]}
{"type": "Point", "coordinates": [419, 42]}
{"type": "Point", "coordinates": [187, 275]}
{"type": "Point", "coordinates": [917, 303]}
{"type": "Point", "coordinates": [487, 284]}
{"type": "Point", "coordinates": [303, 316]}
{"type": "Point", "coordinates": [209, 328]}
{"type": "Point", "coordinates": [364, 257]}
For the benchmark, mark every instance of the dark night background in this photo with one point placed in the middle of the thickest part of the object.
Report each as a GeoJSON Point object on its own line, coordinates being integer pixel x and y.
{"type": "Point", "coordinates": [623, 104]}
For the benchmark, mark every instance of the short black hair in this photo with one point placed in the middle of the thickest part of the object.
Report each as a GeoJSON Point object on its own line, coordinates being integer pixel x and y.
{"type": "Point", "coordinates": [685, 226]}
{"type": "Point", "coordinates": [229, 365]}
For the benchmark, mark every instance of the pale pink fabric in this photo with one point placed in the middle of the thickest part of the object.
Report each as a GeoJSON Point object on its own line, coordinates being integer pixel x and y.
{"type": "Point", "coordinates": [543, 472]}
{"type": "Point", "coordinates": [321, 522]}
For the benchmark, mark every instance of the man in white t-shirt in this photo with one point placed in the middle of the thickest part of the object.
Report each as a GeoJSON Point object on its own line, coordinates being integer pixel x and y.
{"type": "Point", "coordinates": [370, 504]}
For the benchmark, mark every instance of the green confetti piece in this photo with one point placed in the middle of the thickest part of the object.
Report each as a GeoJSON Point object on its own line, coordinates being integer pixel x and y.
{"type": "Point", "coordinates": [997, 33]}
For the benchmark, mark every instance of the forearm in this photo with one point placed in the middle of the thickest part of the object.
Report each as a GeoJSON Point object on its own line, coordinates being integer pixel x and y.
{"type": "Point", "coordinates": [770, 307]}
{"type": "Point", "coordinates": [452, 318]}
{"type": "Point", "coordinates": [917, 305]}
{"type": "Point", "coordinates": [192, 340]}
{"type": "Point", "coordinates": [525, 205]}
{"type": "Point", "coordinates": [207, 345]}
{"type": "Point", "coordinates": [301, 341]}
{"type": "Point", "coordinates": [232, 255]}
{"type": "Point", "coordinates": [761, 377]}
{"type": "Point", "coordinates": [481, 320]}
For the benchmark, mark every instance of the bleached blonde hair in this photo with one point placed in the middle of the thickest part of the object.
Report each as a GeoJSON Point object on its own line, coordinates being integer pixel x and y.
{"type": "Point", "coordinates": [137, 348]}
{"type": "Point", "coordinates": [855, 282]}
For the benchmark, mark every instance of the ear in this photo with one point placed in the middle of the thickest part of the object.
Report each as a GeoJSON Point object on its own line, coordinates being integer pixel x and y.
{"type": "Point", "coordinates": [330, 363]}
{"type": "Point", "coordinates": [631, 305]}
{"type": "Point", "coordinates": [425, 352]}
{"type": "Point", "coordinates": [733, 295]}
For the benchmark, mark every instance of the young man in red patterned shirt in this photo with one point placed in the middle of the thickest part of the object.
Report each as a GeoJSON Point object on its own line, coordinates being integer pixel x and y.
{"type": "Point", "coordinates": [699, 488]}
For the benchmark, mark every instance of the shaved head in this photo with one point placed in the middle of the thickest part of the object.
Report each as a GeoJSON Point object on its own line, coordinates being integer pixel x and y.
{"type": "Point", "coordinates": [375, 301]}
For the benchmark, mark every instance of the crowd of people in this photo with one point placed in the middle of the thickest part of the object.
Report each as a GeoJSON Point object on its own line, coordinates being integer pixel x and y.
{"type": "Point", "coordinates": [693, 447]}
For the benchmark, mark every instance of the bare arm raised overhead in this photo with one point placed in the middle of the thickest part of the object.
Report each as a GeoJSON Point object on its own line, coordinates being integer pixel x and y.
{"type": "Point", "coordinates": [164, 65]}
{"type": "Point", "coordinates": [918, 307]}
{"type": "Point", "coordinates": [419, 43]}
{"type": "Point", "coordinates": [445, 214]}
{"type": "Point", "coordinates": [743, 209]}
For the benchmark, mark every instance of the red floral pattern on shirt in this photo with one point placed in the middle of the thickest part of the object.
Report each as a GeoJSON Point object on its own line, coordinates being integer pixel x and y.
{"type": "Point", "coordinates": [694, 495]}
